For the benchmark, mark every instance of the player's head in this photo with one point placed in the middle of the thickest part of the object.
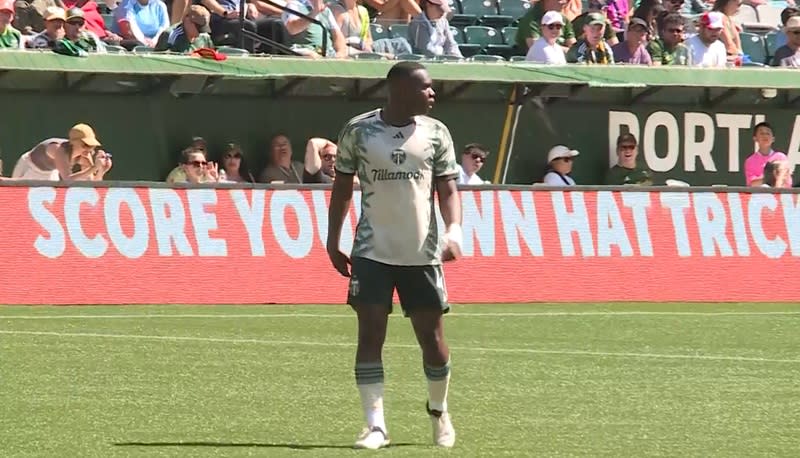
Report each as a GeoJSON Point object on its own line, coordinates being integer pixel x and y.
{"type": "Point", "coordinates": [411, 88]}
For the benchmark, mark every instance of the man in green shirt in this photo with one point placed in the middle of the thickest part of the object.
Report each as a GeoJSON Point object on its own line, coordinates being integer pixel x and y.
{"type": "Point", "coordinates": [529, 28]}
{"type": "Point", "coordinates": [669, 49]}
{"type": "Point", "coordinates": [9, 36]}
{"type": "Point", "coordinates": [592, 48]}
{"type": "Point", "coordinates": [628, 170]}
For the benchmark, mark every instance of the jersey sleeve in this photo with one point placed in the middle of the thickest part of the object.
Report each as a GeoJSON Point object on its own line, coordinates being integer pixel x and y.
{"type": "Point", "coordinates": [444, 159]}
{"type": "Point", "coordinates": [347, 149]}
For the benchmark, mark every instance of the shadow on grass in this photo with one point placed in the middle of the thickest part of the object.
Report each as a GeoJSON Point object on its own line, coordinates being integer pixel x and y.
{"type": "Point", "coordinates": [249, 444]}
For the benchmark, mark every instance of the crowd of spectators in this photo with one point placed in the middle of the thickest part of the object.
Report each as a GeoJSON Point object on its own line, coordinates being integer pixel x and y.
{"type": "Point", "coordinates": [642, 32]}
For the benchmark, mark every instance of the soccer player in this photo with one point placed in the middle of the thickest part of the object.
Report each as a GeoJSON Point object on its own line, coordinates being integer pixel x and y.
{"type": "Point", "coordinates": [401, 157]}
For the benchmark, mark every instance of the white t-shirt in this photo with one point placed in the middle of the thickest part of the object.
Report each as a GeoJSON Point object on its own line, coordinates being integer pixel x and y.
{"type": "Point", "coordinates": [25, 169]}
{"type": "Point", "coordinates": [713, 55]}
{"type": "Point", "coordinates": [397, 167]}
{"type": "Point", "coordinates": [554, 179]}
{"type": "Point", "coordinates": [544, 53]}
{"type": "Point", "coordinates": [463, 178]}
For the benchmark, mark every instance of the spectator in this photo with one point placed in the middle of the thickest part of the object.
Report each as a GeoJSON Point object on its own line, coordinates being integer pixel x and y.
{"type": "Point", "coordinates": [650, 10]}
{"type": "Point", "coordinates": [394, 11]}
{"type": "Point", "coordinates": [633, 50]}
{"type": "Point", "coordinates": [788, 55]}
{"type": "Point", "coordinates": [319, 161]}
{"type": "Point", "coordinates": [53, 30]}
{"type": "Point", "coordinates": [39, 163]}
{"type": "Point", "coordinates": [545, 50]}
{"type": "Point", "coordinates": [429, 31]}
{"type": "Point", "coordinates": [668, 48]}
{"type": "Point", "coordinates": [358, 35]}
{"type": "Point", "coordinates": [529, 29]}
{"type": "Point", "coordinates": [195, 168]}
{"type": "Point", "coordinates": [190, 34]}
{"type": "Point", "coordinates": [628, 171]}
{"type": "Point", "coordinates": [268, 24]}
{"type": "Point", "coordinates": [595, 6]}
{"type": "Point", "coordinates": [94, 20]}
{"type": "Point", "coordinates": [754, 164]}
{"type": "Point", "coordinates": [75, 158]}
{"type": "Point", "coordinates": [234, 166]}
{"type": "Point", "coordinates": [281, 167]}
{"type": "Point", "coordinates": [77, 36]}
{"type": "Point", "coordinates": [140, 22]}
{"type": "Point", "coordinates": [102, 159]}
{"type": "Point", "coordinates": [306, 37]}
{"type": "Point", "coordinates": [592, 48]}
{"type": "Point", "coordinates": [29, 15]}
{"type": "Point", "coordinates": [777, 174]}
{"type": "Point", "coordinates": [571, 9]}
{"type": "Point", "coordinates": [9, 36]}
{"type": "Point", "coordinates": [472, 159]}
{"type": "Point", "coordinates": [617, 13]}
{"type": "Point", "coordinates": [559, 166]}
{"type": "Point", "coordinates": [787, 13]}
{"type": "Point", "coordinates": [730, 29]}
{"type": "Point", "coordinates": [705, 49]}
{"type": "Point", "coordinates": [225, 23]}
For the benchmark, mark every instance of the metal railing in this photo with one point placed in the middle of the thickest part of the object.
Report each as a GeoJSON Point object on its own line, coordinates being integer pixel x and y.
{"type": "Point", "coordinates": [244, 33]}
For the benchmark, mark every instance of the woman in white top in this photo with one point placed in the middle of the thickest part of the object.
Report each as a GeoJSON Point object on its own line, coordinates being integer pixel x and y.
{"type": "Point", "coordinates": [559, 166]}
{"type": "Point", "coordinates": [39, 163]}
{"type": "Point", "coordinates": [545, 50]}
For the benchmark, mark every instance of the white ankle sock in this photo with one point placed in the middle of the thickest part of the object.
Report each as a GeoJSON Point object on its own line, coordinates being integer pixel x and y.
{"type": "Point", "coordinates": [372, 403]}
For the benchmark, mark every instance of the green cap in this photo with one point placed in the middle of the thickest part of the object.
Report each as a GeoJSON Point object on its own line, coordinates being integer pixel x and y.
{"type": "Point", "coordinates": [595, 18]}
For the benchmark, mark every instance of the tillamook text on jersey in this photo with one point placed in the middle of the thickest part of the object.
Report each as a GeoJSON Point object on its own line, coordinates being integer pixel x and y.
{"type": "Point", "coordinates": [386, 175]}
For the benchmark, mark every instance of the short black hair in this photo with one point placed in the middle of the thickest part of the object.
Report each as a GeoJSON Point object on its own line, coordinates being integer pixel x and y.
{"type": "Point", "coordinates": [788, 12]}
{"type": "Point", "coordinates": [762, 124]}
{"type": "Point", "coordinates": [626, 138]}
{"type": "Point", "coordinates": [403, 70]}
{"type": "Point", "coordinates": [476, 148]}
{"type": "Point", "coordinates": [668, 20]}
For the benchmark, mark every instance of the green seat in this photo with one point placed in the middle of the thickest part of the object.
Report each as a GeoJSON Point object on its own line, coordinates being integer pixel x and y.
{"type": "Point", "coordinates": [369, 56]}
{"type": "Point", "coordinates": [447, 58]}
{"type": "Point", "coordinates": [457, 34]}
{"type": "Point", "coordinates": [772, 43]}
{"type": "Point", "coordinates": [143, 50]}
{"type": "Point", "coordinates": [509, 35]}
{"type": "Point", "coordinates": [398, 31]}
{"type": "Point", "coordinates": [517, 59]}
{"type": "Point", "coordinates": [410, 57]}
{"type": "Point", "coordinates": [754, 46]}
{"type": "Point", "coordinates": [114, 49]}
{"type": "Point", "coordinates": [483, 11]}
{"type": "Point", "coordinates": [379, 31]}
{"type": "Point", "coordinates": [231, 51]}
{"type": "Point", "coordinates": [514, 8]}
{"type": "Point", "coordinates": [108, 19]}
{"type": "Point", "coordinates": [483, 36]}
{"type": "Point", "coordinates": [469, 49]}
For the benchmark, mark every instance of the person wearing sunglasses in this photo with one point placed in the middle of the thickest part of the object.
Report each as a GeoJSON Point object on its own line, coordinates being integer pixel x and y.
{"type": "Point", "coordinates": [559, 166]}
{"type": "Point", "coordinates": [546, 50]}
{"type": "Point", "coordinates": [234, 166]}
{"type": "Point", "coordinates": [194, 168]}
{"type": "Point", "coordinates": [668, 48]}
{"type": "Point", "coordinates": [628, 170]}
{"type": "Point", "coordinates": [320, 159]}
{"type": "Point", "coordinates": [9, 36]}
{"type": "Point", "coordinates": [472, 159]}
{"type": "Point", "coordinates": [77, 39]}
{"type": "Point", "coordinates": [788, 55]}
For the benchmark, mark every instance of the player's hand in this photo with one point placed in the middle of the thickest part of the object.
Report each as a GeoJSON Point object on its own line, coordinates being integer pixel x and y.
{"type": "Point", "coordinates": [340, 261]}
{"type": "Point", "coordinates": [453, 239]}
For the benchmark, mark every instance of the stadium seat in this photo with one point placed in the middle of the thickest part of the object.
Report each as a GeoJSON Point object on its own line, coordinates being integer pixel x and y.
{"type": "Point", "coordinates": [143, 50]}
{"type": "Point", "coordinates": [482, 35]}
{"type": "Point", "coordinates": [114, 49]}
{"type": "Point", "coordinates": [514, 8]}
{"type": "Point", "coordinates": [768, 15]}
{"type": "Point", "coordinates": [483, 11]}
{"type": "Point", "coordinates": [509, 35]}
{"type": "Point", "coordinates": [486, 58]}
{"type": "Point", "coordinates": [746, 15]}
{"type": "Point", "coordinates": [410, 57]}
{"type": "Point", "coordinates": [109, 20]}
{"type": "Point", "coordinates": [517, 59]}
{"type": "Point", "coordinates": [457, 34]}
{"type": "Point", "coordinates": [379, 31]}
{"type": "Point", "coordinates": [754, 46]}
{"type": "Point", "coordinates": [772, 43]}
{"type": "Point", "coordinates": [231, 51]}
{"type": "Point", "coordinates": [398, 31]}
{"type": "Point", "coordinates": [369, 56]}
{"type": "Point", "coordinates": [447, 59]}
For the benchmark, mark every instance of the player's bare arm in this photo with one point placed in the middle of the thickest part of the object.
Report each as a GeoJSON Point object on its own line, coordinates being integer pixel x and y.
{"type": "Point", "coordinates": [341, 197]}
{"type": "Point", "coordinates": [450, 207]}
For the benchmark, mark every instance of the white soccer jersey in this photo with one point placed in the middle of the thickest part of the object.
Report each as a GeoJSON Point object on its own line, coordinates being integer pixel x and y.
{"type": "Point", "coordinates": [396, 167]}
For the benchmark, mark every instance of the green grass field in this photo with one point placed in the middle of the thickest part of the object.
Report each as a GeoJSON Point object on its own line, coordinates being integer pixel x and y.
{"type": "Point", "coordinates": [528, 380]}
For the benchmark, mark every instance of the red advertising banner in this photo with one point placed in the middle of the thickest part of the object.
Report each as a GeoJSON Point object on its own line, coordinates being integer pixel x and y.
{"type": "Point", "coordinates": [124, 245]}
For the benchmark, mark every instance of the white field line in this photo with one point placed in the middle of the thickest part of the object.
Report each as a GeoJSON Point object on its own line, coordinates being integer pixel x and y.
{"type": "Point", "coordinates": [350, 345]}
{"type": "Point", "coordinates": [395, 315]}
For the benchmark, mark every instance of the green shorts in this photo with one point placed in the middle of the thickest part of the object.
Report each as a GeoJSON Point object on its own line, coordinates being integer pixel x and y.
{"type": "Point", "coordinates": [419, 287]}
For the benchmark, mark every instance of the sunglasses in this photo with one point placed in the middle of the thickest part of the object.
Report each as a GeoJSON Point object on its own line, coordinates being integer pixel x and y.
{"type": "Point", "coordinates": [479, 157]}
{"type": "Point", "coordinates": [554, 26]}
{"type": "Point", "coordinates": [329, 157]}
{"type": "Point", "coordinates": [198, 163]}
{"type": "Point", "coordinates": [233, 156]}
{"type": "Point", "coordinates": [675, 30]}
{"type": "Point", "coordinates": [78, 23]}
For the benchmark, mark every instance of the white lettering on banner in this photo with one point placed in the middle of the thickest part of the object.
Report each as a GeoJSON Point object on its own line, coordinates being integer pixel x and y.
{"type": "Point", "coordinates": [476, 224]}
{"type": "Point", "coordinates": [791, 217]}
{"type": "Point", "coordinates": [655, 162]}
{"type": "Point", "coordinates": [610, 227]}
{"type": "Point", "coordinates": [793, 152]}
{"type": "Point", "coordinates": [320, 204]}
{"type": "Point", "coordinates": [639, 202]}
{"type": "Point", "coordinates": [205, 222]}
{"type": "Point", "coordinates": [135, 246]}
{"type": "Point", "coordinates": [252, 216]}
{"type": "Point", "coordinates": [518, 222]}
{"type": "Point", "coordinates": [75, 197]}
{"type": "Point", "coordinates": [678, 202]}
{"type": "Point", "coordinates": [52, 246]}
{"type": "Point", "coordinates": [771, 248]}
{"type": "Point", "coordinates": [711, 221]}
{"type": "Point", "coordinates": [738, 221]}
{"type": "Point", "coordinates": [734, 123]}
{"type": "Point", "coordinates": [575, 221]}
{"type": "Point", "coordinates": [169, 222]}
{"type": "Point", "coordinates": [282, 201]}
{"type": "Point", "coordinates": [694, 148]}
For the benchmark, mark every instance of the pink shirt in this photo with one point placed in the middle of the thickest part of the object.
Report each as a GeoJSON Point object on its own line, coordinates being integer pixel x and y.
{"type": "Point", "coordinates": [754, 165]}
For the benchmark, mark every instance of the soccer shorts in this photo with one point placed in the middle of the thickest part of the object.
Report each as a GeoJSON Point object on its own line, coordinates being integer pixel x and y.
{"type": "Point", "coordinates": [373, 283]}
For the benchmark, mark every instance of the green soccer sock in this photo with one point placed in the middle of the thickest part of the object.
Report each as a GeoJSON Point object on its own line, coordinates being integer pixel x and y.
{"type": "Point", "coordinates": [438, 384]}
